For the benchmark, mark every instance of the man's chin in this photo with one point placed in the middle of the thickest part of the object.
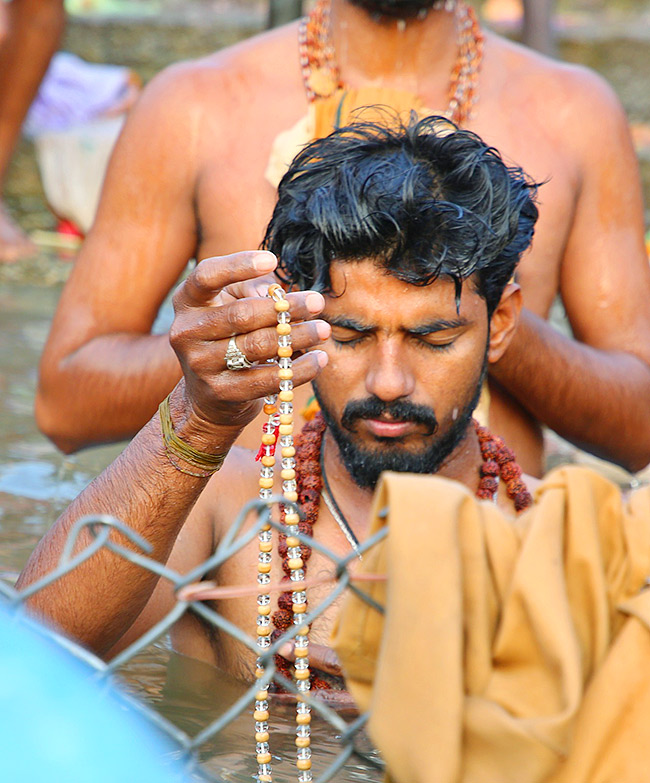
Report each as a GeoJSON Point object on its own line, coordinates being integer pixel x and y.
{"type": "Point", "coordinates": [394, 9]}
{"type": "Point", "coordinates": [365, 465]}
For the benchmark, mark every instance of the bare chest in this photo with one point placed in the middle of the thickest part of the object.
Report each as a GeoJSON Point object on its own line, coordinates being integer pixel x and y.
{"type": "Point", "coordinates": [239, 574]}
{"type": "Point", "coordinates": [533, 146]}
{"type": "Point", "coordinates": [235, 200]}
{"type": "Point", "coordinates": [234, 197]}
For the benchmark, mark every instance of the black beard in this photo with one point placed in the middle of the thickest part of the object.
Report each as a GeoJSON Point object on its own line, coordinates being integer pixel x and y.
{"type": "Point", "coordinates": [366, 465]}
{"type": "Point", "coordinates": [395, 9]}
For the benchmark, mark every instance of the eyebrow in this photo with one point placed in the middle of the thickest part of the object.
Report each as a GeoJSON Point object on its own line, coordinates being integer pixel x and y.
{"type": "Point", "coordinates": [348, 323]}
{"type": "Point", "coordinates": [439, 325]}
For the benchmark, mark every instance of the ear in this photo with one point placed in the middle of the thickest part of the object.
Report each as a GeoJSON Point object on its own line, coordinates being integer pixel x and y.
{"type": "Point", "coordinates": [503, 323]}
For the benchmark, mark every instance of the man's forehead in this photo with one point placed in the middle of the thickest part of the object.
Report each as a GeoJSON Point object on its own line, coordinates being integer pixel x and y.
{"type": "Point", "coordinates": [364, 287]}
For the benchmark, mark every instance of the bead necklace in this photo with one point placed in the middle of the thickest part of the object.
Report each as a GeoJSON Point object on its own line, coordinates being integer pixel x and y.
{"type": "Point", "coordinates": [335, 511]}
{"type": "Point", "coordinates": [498, 462]}
{"type": "Point", "coordinates": [322, 78]}
{"type": "Point", "coordinates": [279, 408]}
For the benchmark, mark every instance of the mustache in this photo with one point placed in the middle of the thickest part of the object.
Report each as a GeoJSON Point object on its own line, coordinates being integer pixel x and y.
{"type": "Point", "coordinates": [399, 410]}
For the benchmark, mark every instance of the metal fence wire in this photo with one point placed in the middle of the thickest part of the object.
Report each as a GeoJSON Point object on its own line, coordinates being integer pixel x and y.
{"type": "Point", "coordinates": [350, 733]}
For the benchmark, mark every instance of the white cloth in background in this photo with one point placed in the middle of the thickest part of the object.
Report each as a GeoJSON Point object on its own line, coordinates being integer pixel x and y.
{"type": "Point", "coordinates": [74, 92]}
{"type": "Point", "coordinates": [75, 121]}
{"type": "Point", "coordinates": [72, 164]}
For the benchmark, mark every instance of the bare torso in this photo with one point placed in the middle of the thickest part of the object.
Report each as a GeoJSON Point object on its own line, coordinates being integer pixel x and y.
{"type": "Point", "coordinates": [234, 201]}
{"type": "Point", "coordinates": [240, 475]}
{"type": "Point", "coordinates": [201, 137]}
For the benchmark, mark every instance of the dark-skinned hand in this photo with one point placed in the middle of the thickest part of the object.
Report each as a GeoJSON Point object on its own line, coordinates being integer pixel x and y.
{"type": "Point", "coordinates": [225, 297]}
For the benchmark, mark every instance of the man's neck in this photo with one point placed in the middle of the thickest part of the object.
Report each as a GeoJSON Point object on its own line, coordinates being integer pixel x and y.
{"type": "Point", "coordinates": [416, 55]}
{"type": "Point", "coordinates": [462, 465]}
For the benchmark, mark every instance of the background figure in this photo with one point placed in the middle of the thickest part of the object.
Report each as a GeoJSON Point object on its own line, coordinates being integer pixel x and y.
{"type": "Point", "coordinates": [33, 33]}
{"type": "Point", "coordinates": [537, 29]}
{"type": "Point", "coordinates": [194, 172]}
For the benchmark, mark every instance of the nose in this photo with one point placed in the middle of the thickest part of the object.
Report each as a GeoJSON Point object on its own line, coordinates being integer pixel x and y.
{"type": "Point", "coordinates": [389, 374]}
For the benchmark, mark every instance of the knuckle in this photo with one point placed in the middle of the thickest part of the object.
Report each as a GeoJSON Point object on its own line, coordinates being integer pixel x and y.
{"type": "Point", "coordinates": [263, 382]}
{"type": "Point", "coordinates": [177, 332]}
{"type": "Point", "coordinates": [256, 344]}
{"type": "Point", "coordinates": [178, 296]}
{"type": "Point", "coordinates": [304, 370]}
{"type": "Point", "coordinates": [238, 317]}
{"type": "Point", "coordinates": [202, 276]}
{"type": "Point", "coordinates": [332, 660]}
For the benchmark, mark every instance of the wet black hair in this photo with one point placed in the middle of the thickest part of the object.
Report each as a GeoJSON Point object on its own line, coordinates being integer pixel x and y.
{"type": "Point", "coordinates": [423, 199]}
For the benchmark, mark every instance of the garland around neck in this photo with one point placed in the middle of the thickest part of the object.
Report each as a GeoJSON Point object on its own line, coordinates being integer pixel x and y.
{"type": "Point", "coordinates": [321, 74]}
{"type": "Point", "coordinates": [498, 463]}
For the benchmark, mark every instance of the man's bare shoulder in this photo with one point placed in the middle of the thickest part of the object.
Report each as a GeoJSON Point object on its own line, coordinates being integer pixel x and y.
{"type": "Point", "coordinates": [563, 90]}
{"type": "Point", "coordinates": [228, 490]}
{"type": "Point", "coordinates": [256, 65]}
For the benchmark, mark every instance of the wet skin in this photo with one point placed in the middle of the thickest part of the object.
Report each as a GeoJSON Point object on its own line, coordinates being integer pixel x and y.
{"type": "Point", "coordinates": [194, 154]}
{"type": "Point", "coordinates": [415, 346]}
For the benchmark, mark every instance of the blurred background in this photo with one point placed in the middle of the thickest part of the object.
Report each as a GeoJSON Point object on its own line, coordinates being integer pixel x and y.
{"type": "Point", "coordinates": [143, 36]}
{"type": "Point", "coordinates": [610, 36]}
{"type": "Point", "coordinates": [36, 481]}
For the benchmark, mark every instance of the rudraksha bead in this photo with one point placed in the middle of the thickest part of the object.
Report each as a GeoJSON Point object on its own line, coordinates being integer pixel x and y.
{"type": "Point", "coordinates": [282, 619]}
{"type": "Point", "coordinates": [510, 471]}
{"type": "Point", "coordinates": [489, 450]}
{"type": "Point", "coordinates": [522, 500]}
{"type": "Point", "coordinates": [505, 455]}
{"type": "Point", "coordinates": [489, 484]}
{"type": "Point", "coordinates": [484, 494]}
{"type": "Point", "coordinates": [490, 468]}
{"type": "Point", "coordinates": [307, 497]}
{"type": "Point", "coordinates": [515, 487]}
{"type": "Point", "coordinates": [311, 482]}
{"type": "Point", "coordinates": [284, 602]}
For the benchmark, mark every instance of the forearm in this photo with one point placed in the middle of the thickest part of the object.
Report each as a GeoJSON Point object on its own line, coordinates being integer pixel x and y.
{"type": "Point", "coordinates": [596, 399]}
{"type": "Point", "coordinates": [98, 601]}
{"type": "Point", "coordinates": [104, 391]}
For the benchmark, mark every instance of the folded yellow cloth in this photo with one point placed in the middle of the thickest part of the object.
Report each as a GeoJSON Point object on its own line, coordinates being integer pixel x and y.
{"type": "Point", "coordinates": [367, 104]}
{"type": "Point", "coordinates": [511, 650]}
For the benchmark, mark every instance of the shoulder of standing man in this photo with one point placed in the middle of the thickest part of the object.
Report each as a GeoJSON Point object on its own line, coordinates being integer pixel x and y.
{"type": "Point", "coordinates": [533, 88]}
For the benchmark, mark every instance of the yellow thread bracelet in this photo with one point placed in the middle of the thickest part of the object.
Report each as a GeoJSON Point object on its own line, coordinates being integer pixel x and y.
{"type": "Point", "coordinates": [209, 463]}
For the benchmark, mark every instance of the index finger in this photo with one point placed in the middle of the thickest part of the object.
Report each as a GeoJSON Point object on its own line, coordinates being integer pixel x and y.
{"type": "Point", "coordinates": [212, 274]}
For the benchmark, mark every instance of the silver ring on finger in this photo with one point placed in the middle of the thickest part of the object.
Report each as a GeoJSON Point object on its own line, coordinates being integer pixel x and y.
{"type": "Point", "coordinates": [236, 358]}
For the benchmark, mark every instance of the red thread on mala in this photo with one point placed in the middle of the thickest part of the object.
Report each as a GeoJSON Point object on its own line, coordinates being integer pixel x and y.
{"type": "Point", "coordinates": [270, 429]}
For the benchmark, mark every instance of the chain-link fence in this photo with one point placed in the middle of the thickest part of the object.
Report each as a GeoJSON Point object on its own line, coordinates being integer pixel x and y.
{"type": "Point", "coordinates": [354, 745]}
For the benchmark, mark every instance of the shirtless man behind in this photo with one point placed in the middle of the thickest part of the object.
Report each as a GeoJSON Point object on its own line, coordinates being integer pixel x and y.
{"type": "Point", "coordinates": [383, 228]}
{"type": "Point", "coordinates": [188, 179]}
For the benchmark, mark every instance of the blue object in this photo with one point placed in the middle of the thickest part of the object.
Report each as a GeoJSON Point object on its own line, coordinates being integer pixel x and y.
{"type": "Point", "coordinates": [59, 725]}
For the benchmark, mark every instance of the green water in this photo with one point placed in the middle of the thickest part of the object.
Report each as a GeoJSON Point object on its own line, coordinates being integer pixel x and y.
{"type": "Point", "coordinates": [36, 481]}
{"type": "Point", "coordinates": [192, 694]}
